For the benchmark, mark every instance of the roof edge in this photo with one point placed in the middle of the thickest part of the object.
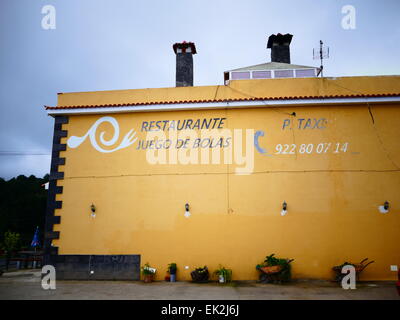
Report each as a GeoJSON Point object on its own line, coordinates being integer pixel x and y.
{"type": "Point", "coordinates": [223, 100]}
{"type": "Point", "coordinates": [247, 103]}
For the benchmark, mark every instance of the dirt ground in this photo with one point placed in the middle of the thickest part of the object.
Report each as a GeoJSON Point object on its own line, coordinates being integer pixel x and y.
{"type": "Point", "coordinates": [27, 285]}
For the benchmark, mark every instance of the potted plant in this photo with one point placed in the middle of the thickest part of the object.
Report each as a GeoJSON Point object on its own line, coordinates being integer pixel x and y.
{"type": "Point", "coordinates": [200, 274]}
{"type": "Point", "coordinates": [275, 269]}
{"type": "Point", "coordinates": [224, 275]}
{"type": "Point", "coordinates": [172, 271]}
{"type": "Point", "coordinates": [148, 273]}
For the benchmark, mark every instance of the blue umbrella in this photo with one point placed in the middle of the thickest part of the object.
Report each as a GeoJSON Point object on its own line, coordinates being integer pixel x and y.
{"type": "Point", "coordinates": [35, 241]}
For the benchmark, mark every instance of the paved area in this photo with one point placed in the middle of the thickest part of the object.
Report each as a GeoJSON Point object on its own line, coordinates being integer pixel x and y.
{"type": "Point", "coordinates": [27, 285]}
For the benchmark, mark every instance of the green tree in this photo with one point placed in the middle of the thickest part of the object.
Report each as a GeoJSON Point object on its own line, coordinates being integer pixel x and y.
{"type": "Point", "coordinates": [23, 207]}
{"type": "Point", "coordinates": [12, 242]}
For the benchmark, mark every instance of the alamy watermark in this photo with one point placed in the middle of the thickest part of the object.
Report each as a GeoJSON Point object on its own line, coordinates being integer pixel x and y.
{"type": "Point", "coordinates": [214, 146]}
{"type": "Point", "coordinates": [48, 277]}
{"type": "Point", "coordinates": [349, 19]}
{"type": "Point", "coordinates": [49, 18]}
{"type": "Point", "coordinates": [349, 280]}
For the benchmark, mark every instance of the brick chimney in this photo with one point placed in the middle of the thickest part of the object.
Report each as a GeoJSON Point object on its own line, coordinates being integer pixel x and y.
{"type": "Point", "coordinates": [184, 63]}
{"type": "Point", "coordinates": [279, 45]}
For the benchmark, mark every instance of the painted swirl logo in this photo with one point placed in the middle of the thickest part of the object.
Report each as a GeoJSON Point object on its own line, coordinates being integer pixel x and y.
{"type": "Point", "coordinates": [128, 140]}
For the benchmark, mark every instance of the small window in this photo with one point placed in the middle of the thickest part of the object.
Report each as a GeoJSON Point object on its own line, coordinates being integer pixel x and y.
{"type": "Point", "coordinates": [240, 75]}
{"type": "Point", "coordinates": [303, 73]}
{"type": "Point", "coordinates": [261, 74]}
{"type": "Point", "coordinates": [284, 74]}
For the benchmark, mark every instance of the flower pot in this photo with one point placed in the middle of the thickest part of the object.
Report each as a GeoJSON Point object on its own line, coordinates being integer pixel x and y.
{"type": "Point", "coordinates": [221, 279]}
{"type": "Point", "coordinates": [172, 270]}
{"type": "Point", "coordinates": [173, 277]}
{"type": "Point", "coordinates": [148, 278]}
{"type": "Point", "coordinates": [200, 275]}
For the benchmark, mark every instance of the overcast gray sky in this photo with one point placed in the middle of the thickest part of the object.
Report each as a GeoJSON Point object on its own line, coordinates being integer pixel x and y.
{"type": "Point", "coordinates": [127, 44]}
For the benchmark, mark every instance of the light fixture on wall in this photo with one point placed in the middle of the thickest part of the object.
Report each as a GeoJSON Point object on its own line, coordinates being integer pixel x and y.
{"type": "Point", "coordinates": [93, 210]}
{"type": "Point", "coordinates": [284, 208]}
{"type": "Point", "coordinates": [384, 208]}
{"type": "Point", "coordinates": [187, 213]}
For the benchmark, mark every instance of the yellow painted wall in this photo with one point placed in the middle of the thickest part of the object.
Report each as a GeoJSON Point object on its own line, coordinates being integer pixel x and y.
{"type": "Point", "coordinates": [332, 198]}
{"type": "Point", "coordinates": [261, 88]}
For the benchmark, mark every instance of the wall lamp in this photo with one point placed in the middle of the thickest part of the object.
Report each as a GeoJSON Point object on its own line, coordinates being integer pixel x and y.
{"type": "Point", "coordinates": [384, 208]}
{"type": "Point", "coordinates": [93, 210]}
{"type": "Point", "coordinates": [284, 208]}
{"type": "Point", "coordinates": [187, 213]}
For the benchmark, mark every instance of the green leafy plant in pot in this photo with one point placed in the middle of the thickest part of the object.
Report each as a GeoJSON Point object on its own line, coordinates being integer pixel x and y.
{"type": "Point", "coordinates": [224, 275]}
{"type": "Point", "coordinates": [172, 268]}
{"type": "Point", "coordinates": [148, 273]}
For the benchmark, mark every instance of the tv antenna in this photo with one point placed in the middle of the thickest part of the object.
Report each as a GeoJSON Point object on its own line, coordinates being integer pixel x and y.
{"type": "Point", "coordinates": [321, 53]}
